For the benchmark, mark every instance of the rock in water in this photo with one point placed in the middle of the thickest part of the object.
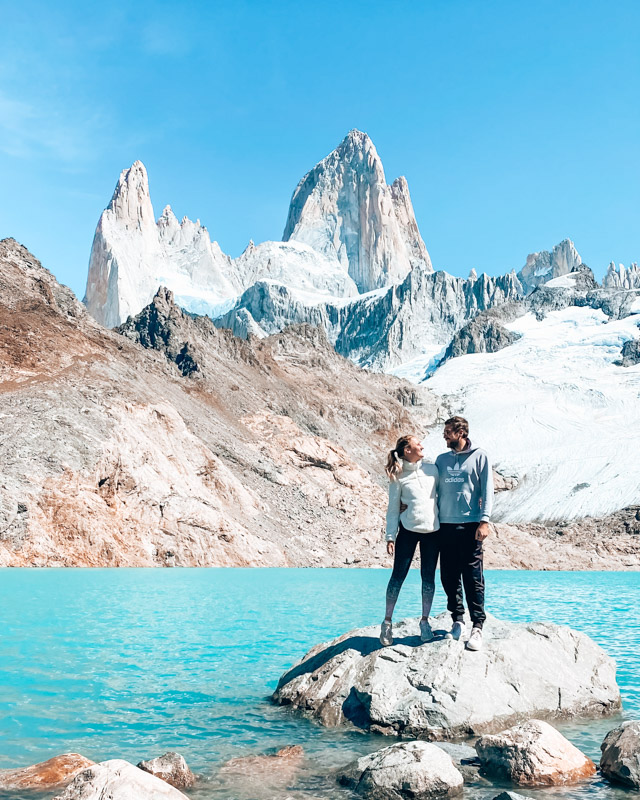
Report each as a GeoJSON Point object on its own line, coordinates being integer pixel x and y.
{"type": "Point", "coordinates": [620, 760]}
{"type": "Point", "coordinates": [118, 780]}
{"type": "Point", "coordinates": [51, 774]}
{"type": "Point", "coordinates": [442, 691]}
{"type": "Point", "coordinates": [172, 768]}
{"type": "Point", "coordinates": [409, 769]}
{"type": "Point", "coordinates": [533, 754]}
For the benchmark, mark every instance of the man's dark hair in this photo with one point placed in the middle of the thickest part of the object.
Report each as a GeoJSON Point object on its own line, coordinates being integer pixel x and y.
{"type": "Point", "coordinates": [458, 425]}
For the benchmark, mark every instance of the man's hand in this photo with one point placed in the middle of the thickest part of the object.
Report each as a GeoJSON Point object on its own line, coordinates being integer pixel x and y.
{"type": "Point", "coordinates": [390, 547]}
{"type": "Point", "coordinates": [482, 531]}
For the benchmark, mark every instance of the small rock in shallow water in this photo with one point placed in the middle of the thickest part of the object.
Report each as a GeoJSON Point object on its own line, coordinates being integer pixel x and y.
{"type": "Point", "coordinates": [510, 796]}
{"type": "Point", "coordinates": [533, 754]}
{"type": "Point", "coordinates": [274, 772]}
{"type": "Point", "coordinates": [118, 780]}
{"type": "Point", "coordinates": [52, 774]}
{"type": "Point", "coordinates": [620, 760]}
{"type": "Point", "coordinates": [172, 768]}
{"type": "Point", "coordinates": [408, 769]}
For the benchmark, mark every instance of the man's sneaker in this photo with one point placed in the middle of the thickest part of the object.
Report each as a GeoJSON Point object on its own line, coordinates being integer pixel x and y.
{"type": "Point", "coordinates": [475, 640]}
{"type": "Point", "coordinates": [386, 633]}
{"type": "Point", "coordinates": [456, 631]}
{"type": "Point", "coordinates": [426, 634]}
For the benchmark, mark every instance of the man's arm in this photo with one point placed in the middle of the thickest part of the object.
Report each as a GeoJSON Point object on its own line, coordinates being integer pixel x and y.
{"type": "Point", "coordinates": [486, 498]}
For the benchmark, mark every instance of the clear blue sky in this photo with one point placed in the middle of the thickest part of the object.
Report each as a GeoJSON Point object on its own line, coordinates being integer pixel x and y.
{"type": "Point", "coordinates": [515, 123]}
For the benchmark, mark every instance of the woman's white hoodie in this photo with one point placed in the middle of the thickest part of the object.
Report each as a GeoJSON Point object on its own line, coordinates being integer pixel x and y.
{"type": "Point", "coordinates": [417, 487]}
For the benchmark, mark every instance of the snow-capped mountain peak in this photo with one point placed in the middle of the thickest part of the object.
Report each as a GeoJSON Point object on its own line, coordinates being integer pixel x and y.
{"type": "Point", "coordinates": [544, 266]}
{"type": "Point", "coordinates": [344, 209]}
{"type": "Point", "coordinates": [131, 201]}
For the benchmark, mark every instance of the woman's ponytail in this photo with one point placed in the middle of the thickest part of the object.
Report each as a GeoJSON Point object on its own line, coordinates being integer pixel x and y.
{"type": "Point", "coordinates": [394, 459]}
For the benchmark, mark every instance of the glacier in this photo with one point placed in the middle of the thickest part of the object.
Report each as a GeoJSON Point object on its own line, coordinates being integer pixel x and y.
{"type": "Point", "coordinates": [555, 411]}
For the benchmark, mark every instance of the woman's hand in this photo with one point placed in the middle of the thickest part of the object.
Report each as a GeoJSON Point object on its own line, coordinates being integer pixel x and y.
{"type": "Point", "coordinates": [390, 547]}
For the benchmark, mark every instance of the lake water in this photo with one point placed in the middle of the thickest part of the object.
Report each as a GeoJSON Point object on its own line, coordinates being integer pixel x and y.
{"type": "Point", "coordinates": [131, 663]}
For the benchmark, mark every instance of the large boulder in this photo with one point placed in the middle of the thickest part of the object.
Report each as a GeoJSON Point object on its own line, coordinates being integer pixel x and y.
{"type": "Point", "coordinates": [406, 770]}
{"type": "Point", "coordinates": [118, 780]}
{"type": "Point", "coordinates": [440, 690]}
{"type": "Point", "coordinates": [533, 754]}
{"type": "Point", "coordinates": [52, 774]}
{"type": "Point", "coordinates": [620, 760]}
{"type": "Point", "coordinates": [172, 768]}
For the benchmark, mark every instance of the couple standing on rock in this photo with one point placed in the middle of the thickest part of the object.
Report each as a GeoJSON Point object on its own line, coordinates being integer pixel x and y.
{"type": "Point", "coordinates": [445, 508]}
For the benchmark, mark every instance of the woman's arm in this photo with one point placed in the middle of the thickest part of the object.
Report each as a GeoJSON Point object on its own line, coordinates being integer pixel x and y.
{"type": "Point", "coordinates": [393, 510]}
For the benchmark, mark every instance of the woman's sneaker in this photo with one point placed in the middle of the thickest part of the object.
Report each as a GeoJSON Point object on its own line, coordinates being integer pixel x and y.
{"type": "Point", "coordinates": [455, 632]}
{"type": "Point", "coordinates": [475, 640]}
{"type": "Point", "coordinates": [386, 633]}
{"type": "Point", "coordinates": [426, 634]}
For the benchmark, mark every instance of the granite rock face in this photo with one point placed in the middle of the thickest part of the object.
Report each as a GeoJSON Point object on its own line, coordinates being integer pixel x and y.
{"type": "Point", "coordinates": [544, 266]}
{"type": "Point", "coordinates": [533, 754]}
{"type": "Point", "coordinates": [381, 330]}
{"type": "Point", "coordinates": [52, 774]}
{"type": "Point", "coordinates": [630, 353]}
{"type": "Point", "coordinates": [622, 277]}
{"type": "Point", "coordinates": [344, 209]}
{"type": "Point", "coordinates": [481, 335]}
{"type": "Point", "coordinates": [432, 691]}
{"type": "Point", "coordinates": [172, 768]}
{"type": "Point", "coordinates": [118, 780]}
{"type": "Point", "coordinates": [416, 769]}
{"type": "Point", "coordinates": [620, 760]}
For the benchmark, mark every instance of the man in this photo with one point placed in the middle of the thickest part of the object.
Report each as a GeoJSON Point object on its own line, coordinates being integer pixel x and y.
{"type": "Point", "coordinates": [465, 501]}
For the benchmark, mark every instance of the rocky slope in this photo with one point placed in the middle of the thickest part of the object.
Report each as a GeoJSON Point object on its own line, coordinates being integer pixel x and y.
{"type": "Point", "coordinates": [201, 450]}
{"type": "Point", "coordinates": [171, 442]}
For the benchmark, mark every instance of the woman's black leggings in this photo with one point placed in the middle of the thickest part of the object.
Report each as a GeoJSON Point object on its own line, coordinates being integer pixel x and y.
{"type": "Point", "coordinates": [406, 544]}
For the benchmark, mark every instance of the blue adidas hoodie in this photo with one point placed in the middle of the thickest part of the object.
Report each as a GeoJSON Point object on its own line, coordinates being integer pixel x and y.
{"type": "Point", "coordinates": [465, 490]}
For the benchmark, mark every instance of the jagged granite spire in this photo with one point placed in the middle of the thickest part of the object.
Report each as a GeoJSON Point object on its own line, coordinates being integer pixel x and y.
{"type": "Point", "coordinates": [125, 242]}
{"type": "Point", "coordinates": [622, 277]}
{"type": "Point", "coordinates": [544, 266]}
{"type": "Point", "coordinates": [344, 209]}
{"type": "Point", "coordinates": [132, 255]}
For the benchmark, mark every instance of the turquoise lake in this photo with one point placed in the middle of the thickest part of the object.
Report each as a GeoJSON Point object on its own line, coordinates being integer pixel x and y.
{"type": "Point", "coordinates": [130, 663]}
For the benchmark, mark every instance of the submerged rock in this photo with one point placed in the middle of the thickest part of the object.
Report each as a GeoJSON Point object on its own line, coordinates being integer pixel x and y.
{"type": "Point", "coordinates": [409, 769]}
{"type": "Point", "coordinates": [52, 774]}
{"type": "Point", "coordinates": [440, 690]}
{"type": "Point", "coordinates": [246, 775]}
{"type": "Point", "coordinates": [286, 758]}
{"type": "Point", "coordinates": [172, 768]}
{"type": "Point", "coordinates": [620, 760]}
{"type": "Point", "coordinates": [533, 754]}
{"type": "Point", "coordinates": [118, 780]}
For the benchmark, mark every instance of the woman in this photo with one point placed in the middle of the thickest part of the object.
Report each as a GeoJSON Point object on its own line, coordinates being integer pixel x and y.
{"type": "Point", "coordinates": [413, 483]}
